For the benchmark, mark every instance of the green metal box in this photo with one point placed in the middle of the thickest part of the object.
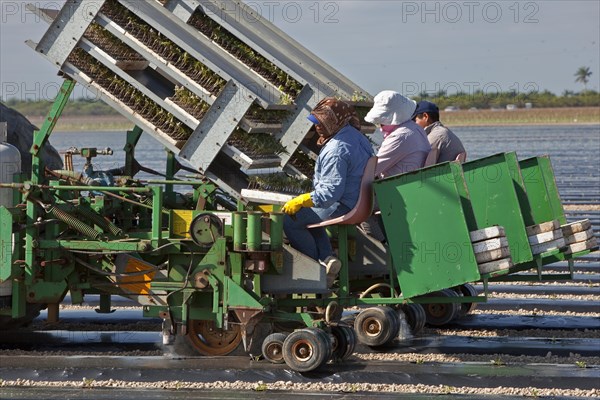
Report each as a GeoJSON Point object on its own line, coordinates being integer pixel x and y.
{"type": "Point", "coordinates": [492, 185]}
{"type": "Point", "coordinates": [541, 191]}
{"type": "Point", "coordinates": [424, 218]}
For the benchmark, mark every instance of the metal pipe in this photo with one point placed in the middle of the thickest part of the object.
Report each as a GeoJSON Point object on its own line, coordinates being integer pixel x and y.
{"type": "Point", "coordinates": [125, 199]}
{"type": "Point", "coordinates": [28, 186]}
{"type": "Point", "coordinates": [239, 231]}
{"type": "Point", "coordinates": [254, 230]}
{"type": "Point", "coordinates": [67, 175]}
{"type": "Point", "coordinates": [103, 188]}
{"type": "Point", "coordinates": [174, 182]}
{"type": "Point", "coordinates": [53, 312]}
{"type": "Point", "coordinates": [276, 230]}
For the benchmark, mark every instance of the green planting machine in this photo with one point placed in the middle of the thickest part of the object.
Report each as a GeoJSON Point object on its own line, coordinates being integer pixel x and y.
{"type": "Point", "coordinates": [202, 247]}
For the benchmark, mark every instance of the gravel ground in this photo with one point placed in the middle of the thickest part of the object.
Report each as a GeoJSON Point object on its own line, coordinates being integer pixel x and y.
{"type": "Point", "coordinates": [547, 283]}
{"type": "Point", "coordinates": [529, 297]}
{"type": "Point", "coordinates": [541, 333]}
{"type": "Point", "coordinates": [536, 312]}
{"type": "Point", "coordinates": [309, 387]}
{"type": "Point", "coordinates": [495, 359]}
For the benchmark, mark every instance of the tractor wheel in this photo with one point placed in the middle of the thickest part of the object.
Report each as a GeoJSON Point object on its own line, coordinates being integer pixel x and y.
{"type": "Point", "coordinates": [32, 311]}
{"type": "Point", "coordinates": [345, 342]}
{"type": "Point", "coordinates": [415, 316]}
{"type": "Point", "coordinates": [376, 326]}
{"type": "Point", "coordinates": [306, 349]}
{"type": "Point", "coordinates": [272, 348]}
{"type": "Point", "coordinates": [209, 340]}
{"type": "Point", "coordinates": [469, 291]}
{"type": "Point", "coordinates": [439, 314]}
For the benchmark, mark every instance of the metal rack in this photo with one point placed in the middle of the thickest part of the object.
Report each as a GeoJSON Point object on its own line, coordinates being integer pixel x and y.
{"type": "Point", "coordinates": [190, 73]}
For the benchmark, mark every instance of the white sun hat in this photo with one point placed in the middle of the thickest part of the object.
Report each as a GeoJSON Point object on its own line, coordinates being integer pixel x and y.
{"type": "Point", "coordinates": [391, 108]}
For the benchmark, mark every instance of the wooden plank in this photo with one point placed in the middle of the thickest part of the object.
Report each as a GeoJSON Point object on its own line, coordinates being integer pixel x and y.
{"type": "Point", "coordinates": [487, 233]}
{"type": "Point", "coordinates": [579, 237]}
{"type": "Point", "coordinates": [545, 237]}
{"type": "Point", "coordinates": [543, 227]}
{"type": "Point", "coordinates": [591, 243]}
{"type": "Point", "coordinates": [492, 255]}
{"type": "Point", "coordinates": [496, 265]}
{"type": "Point", "coordinates": [543, 247]}
{"type": "Point", "coordinates": [490, 244]}
{"type": "Point", "coordinates": [575, 227]}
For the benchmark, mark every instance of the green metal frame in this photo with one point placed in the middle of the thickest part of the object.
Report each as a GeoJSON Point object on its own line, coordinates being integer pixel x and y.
{"type": "Point", "coordinates": [426, 257]}
{"type": "Point", "coordinates": [540, 202]}
{"type": "Point", "coordinates": [40, 138]}
{"type": "Point", "coordinates": [542, 192]}
{"type": "Point", "coordinates": [495, 201]}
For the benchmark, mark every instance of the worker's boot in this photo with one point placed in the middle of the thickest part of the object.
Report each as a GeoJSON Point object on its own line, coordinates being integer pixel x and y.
{"type": "Point", "coordinates": [332, 267]}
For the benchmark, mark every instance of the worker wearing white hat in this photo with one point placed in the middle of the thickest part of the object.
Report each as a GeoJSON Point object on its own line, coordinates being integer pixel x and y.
{"type": "Point", "coordinates": [405, 146]}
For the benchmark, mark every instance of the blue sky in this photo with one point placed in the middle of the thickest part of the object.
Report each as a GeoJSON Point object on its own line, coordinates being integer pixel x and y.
{"type": "Point", "coordinates": [409, 46]}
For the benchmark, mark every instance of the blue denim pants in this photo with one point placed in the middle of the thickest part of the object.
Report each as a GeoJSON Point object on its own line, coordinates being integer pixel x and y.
{"type": "Point", "coordinates": [312, 242]}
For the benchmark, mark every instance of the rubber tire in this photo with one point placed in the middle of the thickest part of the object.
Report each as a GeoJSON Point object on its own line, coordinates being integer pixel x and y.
{"type": "Point", "coordinates": [383, 323]}
{"type": "Point", "coordinates": [345, 342]}
{"type": "Point", "coordinates": [470, 291]}
{"type": "Point", "coordinates": [203, 348]}
{"type": "Point", "coordinates": [32, 311]}
{"type": "Point", "coordinates": [327, 338]}
{"type": "Point", "coordinates": [274, 342]}
{"type": "Point", "coordinates": [395, 318]}
{"type": "Point", "coordinates": [309, 340]}
{"type": "Point", "coordinates": [404, 330]}
{"type": "Point", "coordinates": [415, 316]}
{"type": "Point", "coordinates": [440, 314]}
{"type": "Point", "coordinates": [349, 319]}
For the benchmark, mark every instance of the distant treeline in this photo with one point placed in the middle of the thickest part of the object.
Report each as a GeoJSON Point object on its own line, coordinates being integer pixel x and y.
{"type": "Point", "coordinates": [464, 101]}
{"type": "Point", "coordinates": [481, 100]}
{"type": "Point", "coordinates": [79, 107]}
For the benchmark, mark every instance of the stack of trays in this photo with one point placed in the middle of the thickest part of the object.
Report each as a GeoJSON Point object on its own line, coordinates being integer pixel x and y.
{"type": "Point", "coordinates": [491, 249]}
{"type": "Point", "coordinates": [545, 237]}
{"type": "Point", "coordinates": [579, 236]}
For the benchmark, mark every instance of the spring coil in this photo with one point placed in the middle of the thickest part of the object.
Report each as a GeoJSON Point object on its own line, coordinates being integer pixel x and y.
{"type": "Point", "coordinates": [105, 225]}
{"type": "Point", "coordinates": [148, 201]}
{"type": "Point", "coordinates": [98, 220]}
{"type": "Point", "coordinates": [74, 223]}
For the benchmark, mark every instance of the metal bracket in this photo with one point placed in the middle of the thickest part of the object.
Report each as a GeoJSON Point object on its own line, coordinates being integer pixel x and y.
{"type": "Point", "coordinates": [203, 49]}
{"type": "Point", "coordinates": [67, 29]}
{"type": "Point", "coordinates": [216, 126]}
{"type": "Point", "coordinates": [297, 126]}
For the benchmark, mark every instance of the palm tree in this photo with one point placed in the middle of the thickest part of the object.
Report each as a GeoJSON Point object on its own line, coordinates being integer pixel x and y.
{"type": "Point", "coordinates": [582, 75]}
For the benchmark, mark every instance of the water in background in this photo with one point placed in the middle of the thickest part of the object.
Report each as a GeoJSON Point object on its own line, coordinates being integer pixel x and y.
{"type": "Point", "coordinates": [574, 150]}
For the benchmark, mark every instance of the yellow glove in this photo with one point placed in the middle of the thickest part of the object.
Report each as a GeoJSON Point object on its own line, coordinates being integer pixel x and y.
{"type": "Point", "coordinates": [295, 204]}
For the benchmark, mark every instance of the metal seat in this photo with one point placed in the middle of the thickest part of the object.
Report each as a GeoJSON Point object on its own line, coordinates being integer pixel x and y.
{"type": "Point", "coordinates": [461, 157]}
{"type": "Point", "coordinates": [364, 206]}
{"type": "Point", "coordinates": [432, 157]}
{"type": "Point", "coordinates": [361, 211]}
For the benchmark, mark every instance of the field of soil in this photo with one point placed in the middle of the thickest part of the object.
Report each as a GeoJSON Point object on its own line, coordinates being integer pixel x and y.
{"type": "Point", "coordinates": [92, 123]}
{"type": "Point", "coordinates": [535, 116]}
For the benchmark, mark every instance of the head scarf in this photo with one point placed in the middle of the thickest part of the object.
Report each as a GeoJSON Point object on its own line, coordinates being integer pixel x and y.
{"type": "Point", "coordinates": [333, 115]}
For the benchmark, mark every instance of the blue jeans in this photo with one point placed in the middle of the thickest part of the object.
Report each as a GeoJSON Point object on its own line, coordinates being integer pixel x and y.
{"type": "Point", "coordinates": [312, 242]}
